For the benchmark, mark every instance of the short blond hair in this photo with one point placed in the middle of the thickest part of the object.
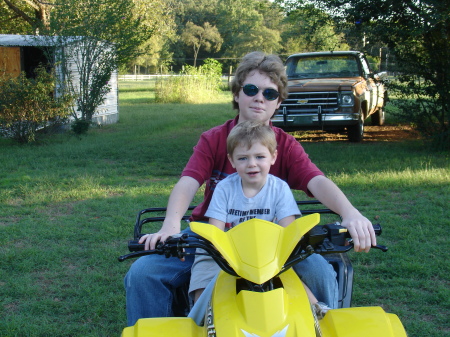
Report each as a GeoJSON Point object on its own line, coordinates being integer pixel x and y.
{"type": "Point", "coordinates": [250, 132]}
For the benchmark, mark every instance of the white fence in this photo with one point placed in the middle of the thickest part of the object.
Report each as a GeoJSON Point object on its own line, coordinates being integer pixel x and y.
{"type": "Point", "coordinates": [125, 78]}
{"type": "Point", "coordinates": [140, 77]}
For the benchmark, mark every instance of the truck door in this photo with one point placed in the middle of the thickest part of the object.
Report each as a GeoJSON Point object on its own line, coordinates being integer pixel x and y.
{"type": "Point", "coordinates": [371, 87]}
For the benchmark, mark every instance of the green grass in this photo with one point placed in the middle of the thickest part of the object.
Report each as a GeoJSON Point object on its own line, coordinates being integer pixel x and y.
{"type": "Point", "coordinates": [67, 209]}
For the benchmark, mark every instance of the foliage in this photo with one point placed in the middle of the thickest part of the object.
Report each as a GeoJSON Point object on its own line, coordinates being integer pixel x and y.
{"type": "Point", "coordinates": [244, 28]}
{"type": "Point", "coordinates": [419, 106]}
{"type": "Point", "coordinates": [155, 53]}
{"type": "Point", "coordinates": [28, 104]}
{"type": "Point", "coordinates": [309, 29]}
{"type": "Point", "coordinates": [93, 61]}
{"type": "Point", "coordinates": [243, 25]}
{"type": "Point", "coordinates": [195, 85]}
{"type": "Point", "coordinates": [24, 17]}
{"type": "Point", "coordinates": [198, 12]}
{"type": "Point", "coordinates": [207, 37]}
{"type": "Point", "coordinates": [212, 69]}
{"type": "Point", "coordinates": [418, 34]}
{"type": "Point", "coordinates": [80, 126]}
{"type": "Point", "coordinates": [91, 40]}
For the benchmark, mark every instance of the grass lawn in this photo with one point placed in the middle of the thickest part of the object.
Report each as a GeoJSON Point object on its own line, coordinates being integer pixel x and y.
{"type": "Point", "coordinates": [68, 205]}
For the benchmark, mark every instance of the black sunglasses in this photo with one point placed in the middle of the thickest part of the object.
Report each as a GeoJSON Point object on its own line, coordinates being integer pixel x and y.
{"type": "Point", "coordinates": [252, 90]}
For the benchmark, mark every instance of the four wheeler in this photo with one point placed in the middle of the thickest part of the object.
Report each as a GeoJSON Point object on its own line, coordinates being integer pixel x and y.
{"type": "Point", "coordinates": [257, 293]}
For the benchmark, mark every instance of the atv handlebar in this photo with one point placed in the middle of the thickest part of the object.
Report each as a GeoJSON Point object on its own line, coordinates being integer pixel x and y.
{"type": "Point", "coordinates": [325, 238]}
{"type": "Point", "coordinates": [322, 239]}
{"type": "Point", "coordinates": [175, 246]}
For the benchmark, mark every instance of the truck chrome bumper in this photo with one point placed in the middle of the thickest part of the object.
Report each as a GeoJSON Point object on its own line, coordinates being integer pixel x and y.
{"type": "Point", "coordinates": [315, 120]}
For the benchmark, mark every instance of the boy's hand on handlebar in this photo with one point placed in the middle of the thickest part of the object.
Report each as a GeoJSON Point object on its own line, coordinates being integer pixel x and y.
{"type": "Point", "coordinates": [151, 240]}
{"type": "Point", "coordinates": [361, 231]}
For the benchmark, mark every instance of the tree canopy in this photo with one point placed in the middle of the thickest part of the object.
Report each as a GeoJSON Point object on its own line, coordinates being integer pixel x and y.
{"type": "Point", "coordinates": [24, 17]}
{"type": "Point", "coordinates": [205, 36]}
{"type": "Point", "coordinates": [229, 28]}
{"type": "Point", "coordinates": [176, 32]}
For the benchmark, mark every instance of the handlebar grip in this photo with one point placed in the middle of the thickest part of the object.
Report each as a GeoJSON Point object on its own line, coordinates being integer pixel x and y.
{"type": "Point", "coordinates": [135, 246]}
{"type": "Point", "coordinates": [377, 229]}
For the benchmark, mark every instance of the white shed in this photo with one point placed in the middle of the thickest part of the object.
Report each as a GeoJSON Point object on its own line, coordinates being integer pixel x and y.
{"type": "Point", "coordinates": [23, 53]}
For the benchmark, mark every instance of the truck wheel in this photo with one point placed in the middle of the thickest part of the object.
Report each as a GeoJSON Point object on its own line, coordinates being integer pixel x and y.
{"type": "Point", "coordinates": [378, 117]}
{"type": "Point", "coordinates": [355, 132]}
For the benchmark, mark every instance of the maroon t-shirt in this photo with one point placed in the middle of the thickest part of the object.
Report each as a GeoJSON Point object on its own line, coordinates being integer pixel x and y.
{"type": "Point", "coordinates": [209, 163]}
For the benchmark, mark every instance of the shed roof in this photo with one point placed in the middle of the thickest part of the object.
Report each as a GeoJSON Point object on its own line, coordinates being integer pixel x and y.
{"type": "Point", "coordinates": [22, 40]}
{"type": "Point", "coordinates": [33, 40]}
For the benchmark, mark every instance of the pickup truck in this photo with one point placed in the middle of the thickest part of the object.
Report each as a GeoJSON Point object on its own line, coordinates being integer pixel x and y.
{"type": "Point", "coordinates": [331, 91]}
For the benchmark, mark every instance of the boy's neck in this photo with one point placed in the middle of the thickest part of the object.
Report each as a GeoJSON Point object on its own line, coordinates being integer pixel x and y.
{"type": "Point", "coordinates": [251, 190]}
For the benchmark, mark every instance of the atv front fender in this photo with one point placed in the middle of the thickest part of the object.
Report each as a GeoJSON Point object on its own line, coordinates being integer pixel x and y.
{"type": "Point", "coordinates": [164, 327]}
{"type": "Point", "coordinates": [362, 321]}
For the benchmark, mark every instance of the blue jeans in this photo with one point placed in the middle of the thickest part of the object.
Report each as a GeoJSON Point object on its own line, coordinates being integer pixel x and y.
{"type": "Point", "coordinates": [320, 278]}
{"type": "Point", "coordinates": [151, 279]}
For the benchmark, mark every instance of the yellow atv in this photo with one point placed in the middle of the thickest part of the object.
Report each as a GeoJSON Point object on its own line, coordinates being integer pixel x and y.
{"type": "Point", "coordinates": [257, 293]}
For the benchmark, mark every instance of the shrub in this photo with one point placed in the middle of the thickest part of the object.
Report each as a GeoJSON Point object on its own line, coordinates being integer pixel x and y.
{"type": "Point", "coordinates": [424, 108]}
{"type": "Point", "coordinates": [194, 85]}
{"type": "Point", "coordinates": [28, 104]}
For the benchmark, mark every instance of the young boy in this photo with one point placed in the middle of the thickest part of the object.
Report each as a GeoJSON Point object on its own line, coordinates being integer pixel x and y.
{"type": "Point", "coordinates": [258, 88]}
{"type": "Point", "coordinates": [252, 150]}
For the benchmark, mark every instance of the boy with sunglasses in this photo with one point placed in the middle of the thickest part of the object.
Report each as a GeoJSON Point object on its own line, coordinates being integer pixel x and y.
{"type": "Point", "coordinates": [151, 279]}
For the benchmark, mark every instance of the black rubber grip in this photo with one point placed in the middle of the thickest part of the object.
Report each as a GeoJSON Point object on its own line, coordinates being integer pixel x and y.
{"type": "Point", "coordinates": [135, 246]}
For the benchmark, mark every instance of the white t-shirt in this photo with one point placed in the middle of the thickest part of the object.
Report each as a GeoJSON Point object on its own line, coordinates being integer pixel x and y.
{"type": "Point", "coordinates": [229, 204]}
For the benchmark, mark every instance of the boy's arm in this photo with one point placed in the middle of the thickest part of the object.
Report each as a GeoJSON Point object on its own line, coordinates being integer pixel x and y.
{"type": "Point", "coordinates": [359, 227]}
{"type": "Point", "coordinates": [286, 220]}
{"type": "Point", "coordinates": [180, 198]}
{"type": "Point", "coordinates": [219, 224]}
{"type": "Point", "coordinates": [217, 207]}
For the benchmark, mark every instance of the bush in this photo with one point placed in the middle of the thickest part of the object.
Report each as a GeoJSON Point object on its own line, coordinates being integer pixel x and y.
{"type": "Point", "coordinates": [28, 104]}
{"type": "Point", "coordinates": [194, 85]}
{"type": "Point", "coordinates": [80, 126]}
{"type": "Point", "coordinates": [422, 107]}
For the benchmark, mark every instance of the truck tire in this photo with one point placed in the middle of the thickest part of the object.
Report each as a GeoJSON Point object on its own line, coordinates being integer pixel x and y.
{"type": "Point", "coordinates": [355, 132]}
{"type": "Point", "coordinates": [378, 117]}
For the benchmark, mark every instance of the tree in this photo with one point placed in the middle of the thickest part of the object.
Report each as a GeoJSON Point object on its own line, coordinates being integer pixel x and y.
{"type": "Point", "coordinates": [198, 12]}
{"type": "Point", "coordinates": [92, 39]}
{"type": "Point", "coordinates": [155, 51]}
{"type": "Point", "coordinates": [207, 37]}
{"type": "Point", "coordinates": [417, 34]}
{"type": "Point", "coordinates": [310, 29]}
{"type": "Point", "coordinates": [24, 16]}
{"type": "Point", "coordinates": [156, 54]}
{"type": "Point", "coordinates": [243, 27]}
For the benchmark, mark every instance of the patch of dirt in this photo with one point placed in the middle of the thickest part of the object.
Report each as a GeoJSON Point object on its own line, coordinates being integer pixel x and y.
{"type": "Point", "coordinates": [385, 133]}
